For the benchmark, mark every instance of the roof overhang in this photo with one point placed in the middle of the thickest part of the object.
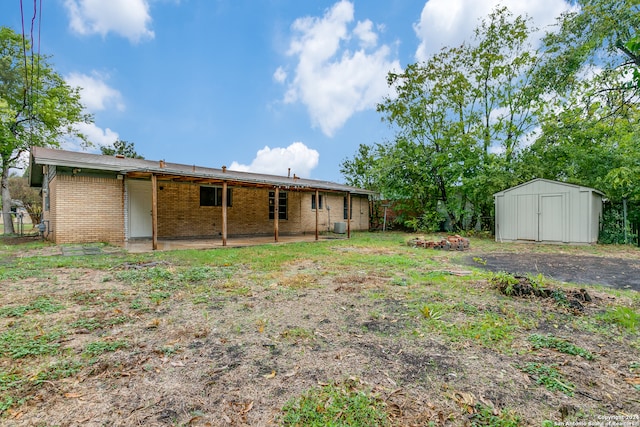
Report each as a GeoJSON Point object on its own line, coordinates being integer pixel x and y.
{"type": "Point", "coordinates": [144, 169]}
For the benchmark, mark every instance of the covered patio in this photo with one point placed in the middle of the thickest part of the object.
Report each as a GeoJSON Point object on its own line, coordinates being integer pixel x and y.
{"type": "Point", "coordinates": [130, 202]}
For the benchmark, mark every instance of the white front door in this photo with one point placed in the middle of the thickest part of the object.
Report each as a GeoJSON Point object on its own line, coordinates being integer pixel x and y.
{"type": "Point", "coordinates": [139, 208]}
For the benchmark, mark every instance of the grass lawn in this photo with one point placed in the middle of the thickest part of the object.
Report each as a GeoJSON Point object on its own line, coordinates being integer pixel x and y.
{"type": "Point", "coordinates": [360, 332]}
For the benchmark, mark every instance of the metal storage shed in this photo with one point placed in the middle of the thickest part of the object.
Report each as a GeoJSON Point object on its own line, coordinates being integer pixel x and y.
{"type": "Point", "coordinates": [548, 211]}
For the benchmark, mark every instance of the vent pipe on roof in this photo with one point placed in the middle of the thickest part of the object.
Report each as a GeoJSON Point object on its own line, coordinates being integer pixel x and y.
{"type": "Point", "coordinates": [224, 168]}
{"type": "Point", "coordinates": [289, 173]}
{"type": "Point", "coordinates": [162, 164]}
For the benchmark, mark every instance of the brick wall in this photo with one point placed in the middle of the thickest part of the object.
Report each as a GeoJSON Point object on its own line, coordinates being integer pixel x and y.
{"type": "Point", "coordinates": [87, 209]}
{"type": "Point", "coordinates": [332, 211]}
{"type": "Point", "coordinates": [180, 213]}
{"type": "Point", "coordinates": [91, 209]}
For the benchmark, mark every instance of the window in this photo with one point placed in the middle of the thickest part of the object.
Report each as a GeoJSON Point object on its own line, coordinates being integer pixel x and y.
{"type": "Point", "coordinates": [346, 211]}
{"type": "Point", "coordinates": [212, 196]}
{"type": "Point", "coordinates": [282, 205]}
{"type": "Point", "coordinates": [313, 201]}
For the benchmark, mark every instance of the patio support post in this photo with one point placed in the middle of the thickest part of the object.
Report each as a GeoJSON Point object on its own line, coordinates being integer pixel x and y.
{"type": "Point", "coordinates": [317, 208]}
{"type": "Point", "coordinates": [276, 212]}
{"type": "Point", "coordinates": [224, 213]}
{"type": "Point", "coordinates": [348, 215]}
{"type": "Point", "coordinates": [154, 212]}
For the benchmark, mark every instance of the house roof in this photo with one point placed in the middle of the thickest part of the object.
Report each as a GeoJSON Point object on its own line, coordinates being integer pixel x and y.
{"type": "Point", "coordinates": [580, 187]}
{"type": "Point", "coordinates": [141, 168]}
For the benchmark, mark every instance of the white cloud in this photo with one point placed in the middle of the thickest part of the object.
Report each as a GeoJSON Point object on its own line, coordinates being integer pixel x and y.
{"type": "Point", "coordinates": [363, 30]}
{"type": "Point", "coordinates": [95, 94]}
{"type": "Point", "coordinates": [332, 81]}
{"type": "Point", "coordinates": [127, 18]}
{"type": "Point", "coordinates": [450, 22]}
{"type": "Point", "coordinates": [96, 135]}
{"type": "Point", "coordinates": [280, 75]}
{"type": "Point", "coordinates": [277, 161]}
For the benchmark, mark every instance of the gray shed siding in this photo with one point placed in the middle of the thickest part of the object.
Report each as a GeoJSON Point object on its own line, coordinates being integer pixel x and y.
{"type": "Point", "coordinates": [548, 211]}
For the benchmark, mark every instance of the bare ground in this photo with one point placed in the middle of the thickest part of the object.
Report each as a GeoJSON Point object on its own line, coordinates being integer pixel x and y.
{"type": "Point", "coordinates": [593, 270]}
{"type": "Point", "coordinates": [233, 354]}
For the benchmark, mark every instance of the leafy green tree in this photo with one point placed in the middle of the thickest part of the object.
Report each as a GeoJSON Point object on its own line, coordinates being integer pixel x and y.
{"type": "Point", "coordinates": [460, 119]}
{"type": "Point", "coordinates": [37, 108]}
{"type": "Point", "coordinates": [590, 131]}
{"type": "Point", "coordinates": [600, 33]}
{"type": "Point", "coordinates": [28, 196]}
{"type": "Point", "coordinates": [123, 148]}
{"type": "Point", "coordinates": [591, 137]}
{"type": "Point", "coordinates": [633, 51]}
{"type": "Point", "coordinates": [361, 172]}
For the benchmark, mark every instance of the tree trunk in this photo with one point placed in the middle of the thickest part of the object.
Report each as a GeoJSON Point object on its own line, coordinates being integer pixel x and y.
{"type": "Point", "coordinates": [6, 199]}
{"type": "Point", "coordinates": [34, 212]}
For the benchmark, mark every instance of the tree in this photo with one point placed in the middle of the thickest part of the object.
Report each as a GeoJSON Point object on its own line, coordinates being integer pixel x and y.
{"type": "Point", "coordinates": [37, 108]}
{"type": "Point", "coordinates": [123, 148]}
{"type": "Point", "coordinates": [633, 50]}
{"type": "Point", "coordinates": [28, 196]}
{"type": "Point", "coordinates": [590, 135]}
{"type": "Point", "coordinates": [361, 172]}
{"type": "Point", "coordinates": [590, 138]}
{"type": "Point", "coordinates": [601, 33]}
{"type": "Point", "coordinates": [460, 118]}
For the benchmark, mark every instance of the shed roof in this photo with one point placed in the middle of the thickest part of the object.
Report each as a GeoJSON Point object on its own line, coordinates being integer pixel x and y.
{"type": "Point", "coordinates": [173, 171]}
{"type": "Point", "coordinates": [580, 187]}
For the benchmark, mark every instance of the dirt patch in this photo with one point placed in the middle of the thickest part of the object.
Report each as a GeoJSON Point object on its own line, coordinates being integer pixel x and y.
{"type": "Point", "coordinates": [228, 343]}
{"type": "Point", "coordinates": [520, 286]}
{"type": "Point", "coordinates": [19, 240]}
{"type": "Point", "coordinates": [619, 273]}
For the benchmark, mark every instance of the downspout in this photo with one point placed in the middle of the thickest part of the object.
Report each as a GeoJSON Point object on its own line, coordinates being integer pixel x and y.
{"type": "Point", "coordinates": [224, 213]}
{"type": "Point", "coordinates": [154, 212]}
{"type": "Point", "coordinates": [317, 211]}
{"type": "Point", "coordinates": [276, 213]}
{"type": "Point", "coordinates": [348, 215]}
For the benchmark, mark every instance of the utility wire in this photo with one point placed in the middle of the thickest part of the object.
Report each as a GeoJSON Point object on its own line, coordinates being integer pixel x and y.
{"type": "Point", "coordinates": [35, 88]}
{"type": "Point", "coordinates": [33, 18]}
{"type": "Point", "coordinates": [32, 78]}
{"type": "Point", "coordinates": [25, 105]}
{"type": "Point", "coordinates": [39, 28]}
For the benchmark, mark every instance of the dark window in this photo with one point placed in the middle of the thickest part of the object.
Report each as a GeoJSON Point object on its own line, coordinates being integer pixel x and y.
{"type": "Point", "coordinates": [212, 196]}
{"type": "Point", "coordinates": [313, 201]}
{"type": "Point", "coordinates": [346, 211]}
{"type": "Point", "coordinates": [282, 205]}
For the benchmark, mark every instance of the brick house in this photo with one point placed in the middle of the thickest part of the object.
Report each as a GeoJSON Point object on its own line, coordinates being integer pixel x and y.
{"type": "Point", "coordinates": [96, 198]}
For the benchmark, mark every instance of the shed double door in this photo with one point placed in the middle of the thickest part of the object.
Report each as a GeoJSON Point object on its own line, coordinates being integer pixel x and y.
{"type": "Point", "coordinates": [541, 217]}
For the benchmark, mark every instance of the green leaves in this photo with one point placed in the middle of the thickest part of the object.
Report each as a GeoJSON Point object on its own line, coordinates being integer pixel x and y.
{"type": "Point", "coordinates": [460, 118]}
{"type": "Point", "coordinates": [122, 147]}
{"type": "Point", "coordinates": [548, 376]}
{"type": "Point", "coordinates": [37, 107]}
{"type": "Point", "coordinates": [563, 346]}
{"type": "Point", "coordinates": [340, 404]}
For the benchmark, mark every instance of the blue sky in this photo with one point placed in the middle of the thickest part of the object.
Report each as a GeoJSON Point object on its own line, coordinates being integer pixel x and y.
{"type": "Point", "coordinates": [256, 85]}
